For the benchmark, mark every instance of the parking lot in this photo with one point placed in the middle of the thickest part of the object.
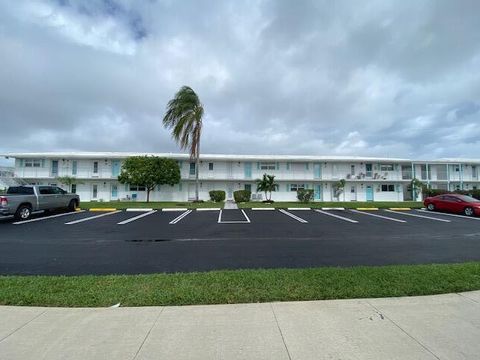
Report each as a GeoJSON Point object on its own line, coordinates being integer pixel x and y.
{"type": "Point", "coordinates": [173, 240]}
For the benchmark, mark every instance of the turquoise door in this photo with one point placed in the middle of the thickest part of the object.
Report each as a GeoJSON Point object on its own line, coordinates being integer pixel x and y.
{"type": "Point", "coordinates": [114, 192]}
{"type": "Point", "coordinates": [318, 192]}
{"type": "Point", "coordinates": [115, 168]}
{"type": "Point", "coordinates": [248, 170]}
{"type": "Point", "coordinates": [369, 193]}
{"type": "Point", "coordinates": [317, 171]}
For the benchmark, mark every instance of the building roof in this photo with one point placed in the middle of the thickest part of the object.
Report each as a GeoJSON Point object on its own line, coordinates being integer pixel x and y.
{"type": "Point", "coordinates": [122, 155]}
{"type": "Point", "coordinates": [293, 158]}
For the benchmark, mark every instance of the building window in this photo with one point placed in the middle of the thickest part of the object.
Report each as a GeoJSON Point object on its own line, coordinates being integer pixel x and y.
{"type": "Point", "coordinates": [192, 168]}
{"type": "Point", "coordinates": [352, 169]}
{"type": "Point", "coordinates": [137, 188]}
{"type": "Point", "coordinates": [386, 167]}
{"type": "Point", "coordinates": [248, 187]}
{"type": "Point", "coordinates": [268, 166]}
{"type": "Point", "coordinates": [33, 163]}
{"type": "Point", "coordinates": [295, 187]}
{"type": "Point", "coordinates": [94, 191]}
{"type": "Point", "coordinates": [74, 188]}
{"type": "Point", "coordinates": [210, 166]}
{"type": "Point", "coordinates": [388, 187]}
{"type": "Point", "coordinates": [457, 168]}
{"type": "Point", "coordinates": [95, 167]}
{"type": "Point", "coordinates": [474, 171]}
{"type": "Point", "coordinates": [74, 167]}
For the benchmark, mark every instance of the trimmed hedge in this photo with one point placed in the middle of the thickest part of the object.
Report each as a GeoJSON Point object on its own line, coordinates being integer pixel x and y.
{"type": "Point", "coordinates": [217, 195]}
{"type": "Point", "coordinates": [305, 195]}
{"type": "Point", "coordinates": [242, 196]}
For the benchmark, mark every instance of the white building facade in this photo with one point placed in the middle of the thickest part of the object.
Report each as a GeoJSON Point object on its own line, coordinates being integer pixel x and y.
{"type": "Point", "coordinates": [366, 179]}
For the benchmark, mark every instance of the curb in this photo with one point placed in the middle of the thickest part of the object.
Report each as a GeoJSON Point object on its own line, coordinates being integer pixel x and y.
{"type": "Point", "coordinates": [102, 209]}
{"type": "Point", "coordinates": [400, 209]}
{"type": "Point", "coordinates": [263, 209]}
{"type": "Point", "coordinates": [175, 209]}
{"type": "Point", "coordinates": [299, 208]}
{"type": "Point", "coordinates": [138, 209]}
{"type": "Point", "coordinates": [208, 209]}
{"type": "Point", "coordinates": [367, 209]}
{"type": "Point", "coordinates": [333, 208]}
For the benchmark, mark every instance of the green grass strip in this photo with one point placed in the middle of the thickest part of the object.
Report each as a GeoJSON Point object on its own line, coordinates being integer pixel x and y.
{"type": "Point", "coordinates": [347, 205]}
{"type": "Point", "coordinates": [240, 286]}
{"type": "Point", "coordinates": [143, 204]}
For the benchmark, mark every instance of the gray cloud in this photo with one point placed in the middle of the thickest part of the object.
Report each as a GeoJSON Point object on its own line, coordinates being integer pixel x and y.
{"type": "Point", "coordinates": [378, 78]}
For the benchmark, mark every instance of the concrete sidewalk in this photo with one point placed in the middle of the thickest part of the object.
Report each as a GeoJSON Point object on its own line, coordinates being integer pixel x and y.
{"type": "Point", "coordinates": [430, 327]}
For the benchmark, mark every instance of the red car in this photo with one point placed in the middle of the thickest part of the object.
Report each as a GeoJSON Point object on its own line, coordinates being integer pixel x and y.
{"type": "Point", "coordinates": [455, 203]}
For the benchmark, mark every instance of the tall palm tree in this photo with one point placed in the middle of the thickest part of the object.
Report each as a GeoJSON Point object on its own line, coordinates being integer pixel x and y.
{"type": "Point", "coordinates": [184, 117]}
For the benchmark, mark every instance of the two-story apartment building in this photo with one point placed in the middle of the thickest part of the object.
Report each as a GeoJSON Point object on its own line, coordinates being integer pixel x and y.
{"type": "Point", "coordinates": [366, 178]}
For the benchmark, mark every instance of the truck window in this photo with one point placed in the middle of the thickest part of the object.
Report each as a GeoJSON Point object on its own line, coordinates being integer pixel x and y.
{"type": "Point", "coordinates": [45, 190]}
{"type": "Point", "coordinates": [20, 190]}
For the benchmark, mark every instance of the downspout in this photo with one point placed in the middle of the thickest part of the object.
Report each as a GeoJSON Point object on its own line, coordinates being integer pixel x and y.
{"type": "Point", "coordinates": [414, 193]}
{"type": "Point", "coordinates": [461, 176]}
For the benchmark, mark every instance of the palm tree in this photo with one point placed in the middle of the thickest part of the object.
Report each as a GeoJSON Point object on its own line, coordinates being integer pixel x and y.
{"type": "Point", "coordinates": [267, 185]}
{"type": "Point", "coordinates": [184, 117]}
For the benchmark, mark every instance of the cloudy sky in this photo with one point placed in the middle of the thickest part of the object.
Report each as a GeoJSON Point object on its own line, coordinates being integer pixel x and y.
{"type": "Point", "coordinates": [380, 78]}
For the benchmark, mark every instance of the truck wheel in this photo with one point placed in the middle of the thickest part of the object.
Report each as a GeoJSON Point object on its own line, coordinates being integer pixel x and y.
{"type": "Point", "coordinates": [72, 205]}
{"type": "Point", "coordinates": [23, 212]}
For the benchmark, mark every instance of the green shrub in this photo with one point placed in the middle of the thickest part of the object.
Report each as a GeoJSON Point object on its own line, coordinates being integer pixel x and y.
{"type": "Point", "coordinates": [217, 195]}
{"type": "Point", "coordinates": [305, 195]}
{"type": "Point", "coordinates": [242, 196]}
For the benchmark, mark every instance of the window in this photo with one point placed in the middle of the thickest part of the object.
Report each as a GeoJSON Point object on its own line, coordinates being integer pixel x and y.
{"type": "Point", "coordinates": [46, 190]}
{"type": "Point", "coordinates": [74, 188]}
{"type": "Point", "coordinates": [20, 190]}
{"type": "Point", "coordinates": [352, 169]}
{"type": "Point", "coordinates": [388, 187]}
{"type": "Point", "coordinates": [74, 167]}
{"type": "Point", "coordinates": [33, 163]}
{"type": "Point", "coordinates": [248, 187]}
{"type": "Point", "coordinates": [210, 166]}
{"type": "Point", "coordinates": [457, 168]}
{"type": "Point", "coordinates": [295, 187]}
{"type": "Point", "coordinates": [95, 167]}
{"type": "Point", "coordinates": [474, 171]}
{"type": "Point", "coordinates": [268, 166]}
{"type": "Point", "coordinates": [386, 167]}
{"type": "Point", "coordinates": [192, 168]}
{"type": "Point", "coordinates": [94, 191]}
{"type": "Point", "coordinates": [58, 191]}
{"type": "Point", "coordinates": [137, 188]}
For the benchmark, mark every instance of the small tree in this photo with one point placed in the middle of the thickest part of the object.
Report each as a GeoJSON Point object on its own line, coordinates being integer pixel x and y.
{"type": "Point", "coordinates": [267, 185]}
{"type": "Point", "coordinates": [338, 188]}
{"type": "Point", "coordinates": [416, 186]}
{"type": "Point", "coordinates": [305, 195]}
{"type": "Point", "coordinates": [68, 181]}
{"type": "Point", "coordinates": [149, 171]}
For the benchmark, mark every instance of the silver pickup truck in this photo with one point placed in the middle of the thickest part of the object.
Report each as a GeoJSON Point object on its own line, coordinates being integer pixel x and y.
{"type": "Point", "coordinates": [21, 201]}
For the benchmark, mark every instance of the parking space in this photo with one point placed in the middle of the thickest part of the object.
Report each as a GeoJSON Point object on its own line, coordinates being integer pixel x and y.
{"type": "Point", "coordinates": [190, 240]}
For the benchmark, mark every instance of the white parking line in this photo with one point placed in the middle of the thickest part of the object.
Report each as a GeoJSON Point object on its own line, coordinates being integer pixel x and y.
{"type": "Point", "coordinates": [138, 209]}
{"type": "Point", "coordinates": [93, 217]}
{"type": "Point", "coordinates": [220, 221]}
{"type": "Point", "coordinates": [300, 208]}
{"type": "Point", "coordinates": [180, 217]}
{"type": "Point", "coordinates": [337, 216]}
{"type": "Point", "coordinates": [419, 216]}
{"type": "Point", "coordinates": [333, 208]}
{"type": "Point", "coordinates": [175, 209]}
{"type": "Point", "coordinates": [137, 217]}
{"type": "Point", "coordinates": [47, 217]}
{"type": "Point", "coordinates": [378, 216]}
{"type": "Point", "coordinates": [303, 221]}
{"type": "Point", "coordinates": [455, 215]}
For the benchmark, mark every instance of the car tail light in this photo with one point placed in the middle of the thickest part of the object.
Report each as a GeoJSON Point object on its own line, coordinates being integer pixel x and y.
{"type": "Point", "coordinates": [3, 201]}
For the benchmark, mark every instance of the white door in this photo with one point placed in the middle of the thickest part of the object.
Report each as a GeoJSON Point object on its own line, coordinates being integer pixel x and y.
{"type": "Point", "coordinates": [353, 193]}
{"type": "Point", "coordinates": [229, 191]}
{"type": "Point", "coordinates": [191, 191]}
{"type": "Point", "coordinates": [94, 192]}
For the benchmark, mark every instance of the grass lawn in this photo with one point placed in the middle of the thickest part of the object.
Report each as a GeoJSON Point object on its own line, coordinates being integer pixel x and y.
{"type": "Point", "coordinates": [241, 286]}
{"type": "Point", "coordinates": [348, 205]}
{"type": "Point", "coordinates": [153, 205]}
